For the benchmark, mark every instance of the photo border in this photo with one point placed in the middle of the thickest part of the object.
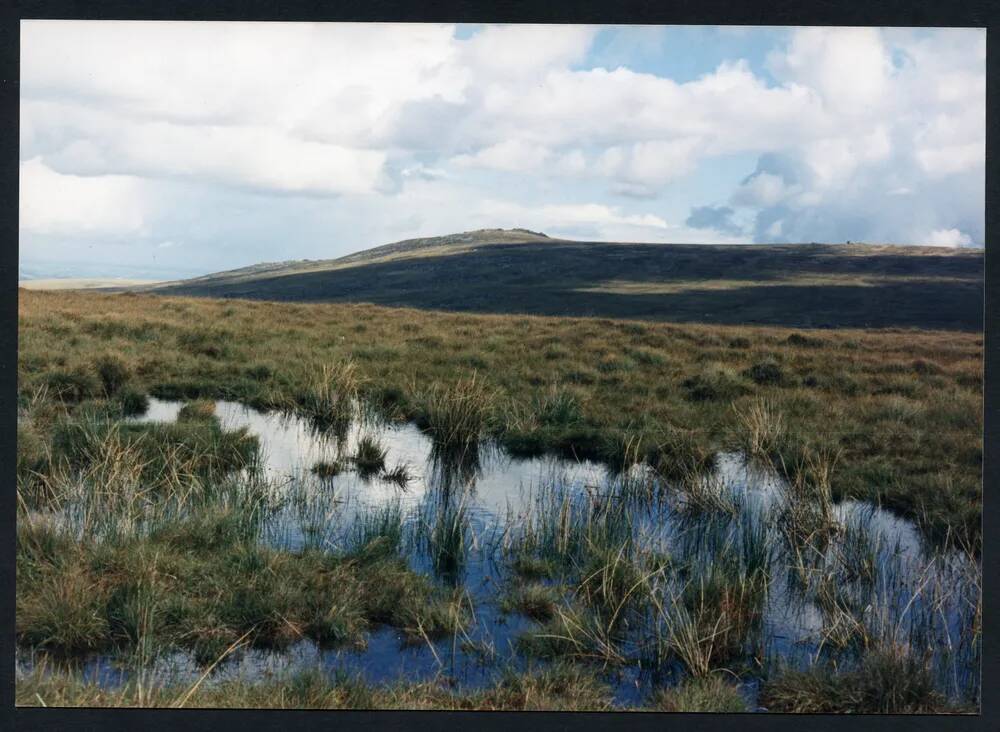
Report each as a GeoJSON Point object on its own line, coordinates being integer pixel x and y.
{"type": "Point", "coordinates": [931, 13]}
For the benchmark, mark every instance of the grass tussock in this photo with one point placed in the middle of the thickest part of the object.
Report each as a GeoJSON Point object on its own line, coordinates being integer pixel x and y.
{"type": "Point", "coordinates": [369, 455]}
{"type": "Point", "coordinates": [887, 682]}
{"type": "Point", "coordinates": [162, 456]}
{"type": "Point", "coordinates": [327, 468]}
{"type": "Point", "coordinates": [761, 428]}
{"type": "Point", "coordinates": [533, 600]}
{"type": "Point", "coordinates": [714, 383]}
{"type": "Point", "coordinates": [197, 411]}
{"type": "Point", "coordinates": [113, 373]}
{"type": "Point", "coordinates": [706, 694]}
{"type": "Point", "coordinates": [331, 394]}
{"type": "Point", "coordinates": [679, 453]}
{"type": "Point", "coordinates": [456, 417]}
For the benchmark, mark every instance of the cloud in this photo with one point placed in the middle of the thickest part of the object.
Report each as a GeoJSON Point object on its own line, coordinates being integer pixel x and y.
{"type": "Point", "coordinates": [901, 151]}
{"type": "Point", "coordinates": [251, 157]}
{"type": "Point", "coordinates": [51, 203]}
{"type": "Point", "coordinates": [650, 163]}
{"type": "Point", "coordinates": [719, 218]}
{"type": "Point", "coordinates": [515, 51]}
{"type": "Point", "coordinates": [509, 155]}
{"type": "Point", "coordinates": [948, 238]}
{"type": "Point", "coordinates": [849, 68]}
{"type": "Point", "coordinates": [761, 189]}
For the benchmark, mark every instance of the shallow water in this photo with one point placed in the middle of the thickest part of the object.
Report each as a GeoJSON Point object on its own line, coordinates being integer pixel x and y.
{"type": "Point", "coordinates": [497, 490]}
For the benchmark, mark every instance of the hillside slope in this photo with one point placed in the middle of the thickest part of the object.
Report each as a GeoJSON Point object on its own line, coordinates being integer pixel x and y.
{"type": "Point", "coordinates": [521, 272]}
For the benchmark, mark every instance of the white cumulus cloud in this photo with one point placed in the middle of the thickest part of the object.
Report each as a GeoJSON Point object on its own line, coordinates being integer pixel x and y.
{"type": "Point", "coordinates": [948, 238]}
{"type": "Point", "coordinates": [51, 203]}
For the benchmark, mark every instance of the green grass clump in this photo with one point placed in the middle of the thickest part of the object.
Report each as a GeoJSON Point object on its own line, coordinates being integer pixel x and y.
{"type": "Point", "coordinates": [331, 395]}
{"type": "Point", "coordinates": [32, 453]}
{"type": "Point", "coordinates": [678, 453]}
{"type": "Point", "coordinates": [887, 682]}
{"type": "Point", "coordinates": [444, 533]}
{"type": "Point", "coordinates": [573, 634]}
{"type": "Point", "coordinates": [564, 531]}
{"type": "Point", "coordinates": [761, 429]}
{"type": "Point", "coordinates": [378, 531]}
{"type": "Point", "coordinates": [714, 383]}
{"type": "Point", "coordinates": [63, 610]}
{"type": "Point", "coordinates": [369, 456]}
{"type": "Point", "coordinates": [71, 387]}
{"type": "Point", "coordinates": [458, 416]}
{"type": "Point", "coordinates": [113, 373]}
{"type": "Point", "coordinates": [212, 344]}
{"type": "Point", "coordinates": [168, 455]}
{"type": "Point", "coordinates": [201, 584]}
{"type": "Point", "coordinates": [714, 618]}
{"type": "Point", "coordinates": [327, 468]}
{"type": "Point", "coordinates": [711, 694]}
{"type": "Point", "coordinates": [133, 402]}
{"type": "Point", "coordinates": [532, 567]}
{"type": "Point", "coordinates": [533, 600]}
{"type": "Point", "coordinates": [546, 424]}
{"type": "Point", "coordinates": [559, 408]}
{"type": "Point", "coordinates": [766, 372]}
{"type": "Point", "coordinates": [201, 410]}
{"type": "Point", "coordinates": [560, 687]}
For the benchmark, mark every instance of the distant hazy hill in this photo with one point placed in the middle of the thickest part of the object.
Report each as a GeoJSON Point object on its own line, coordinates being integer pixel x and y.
{"type": "Point", "coordinates": [82, 283]}
{"type": "Point", "coordinates": [519, 271]}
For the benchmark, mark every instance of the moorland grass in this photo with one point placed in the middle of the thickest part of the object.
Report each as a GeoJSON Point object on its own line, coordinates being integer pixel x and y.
{"type": "Point", "coordinates": [205, 588]}
{"type": "Point", "coordinates": [167, 552]}
{"type": "Point", "coordinates": [558, 688]}
{"type": "Point", "coordinates": [701, 694]}
{"type": "Point", "coordinates": [886, 682]}
{"type": "Point", "coordinates": [835, 390]}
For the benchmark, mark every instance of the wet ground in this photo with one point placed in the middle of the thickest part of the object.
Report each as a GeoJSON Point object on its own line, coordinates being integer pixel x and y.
{"type": "Point", "coordinates": [497, 491]}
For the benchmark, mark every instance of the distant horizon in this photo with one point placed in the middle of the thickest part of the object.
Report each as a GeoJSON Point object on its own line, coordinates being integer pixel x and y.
{"type": "Point", "coordinates": [32, 272]}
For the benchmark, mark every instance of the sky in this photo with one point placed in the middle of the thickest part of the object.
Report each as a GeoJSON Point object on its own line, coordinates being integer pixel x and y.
{"type": "Point", "coordinates": [169, 149]}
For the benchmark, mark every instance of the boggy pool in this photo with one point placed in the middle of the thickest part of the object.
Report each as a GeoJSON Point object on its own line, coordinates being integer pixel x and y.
{"type": "Point", "coordinates": [918, 597]}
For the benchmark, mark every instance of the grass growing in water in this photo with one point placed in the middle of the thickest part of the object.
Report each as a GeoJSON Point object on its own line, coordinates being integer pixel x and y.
{"type": "Point", "coordinates": [369, 456]}
{"type": "Point", "coordinates": [456, 416]}
{"type": "Point", "coordinates": [330, 397]}
{"type": "Point", "coordinates": [201, 410]}
{"type": "Point", "coordinates": [398, 474]}
{"type": "Point", "coordinates": [326, 468]}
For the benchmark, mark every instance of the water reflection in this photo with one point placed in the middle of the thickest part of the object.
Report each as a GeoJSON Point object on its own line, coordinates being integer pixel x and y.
{"type": "Point", "coordinates": [455, 509]}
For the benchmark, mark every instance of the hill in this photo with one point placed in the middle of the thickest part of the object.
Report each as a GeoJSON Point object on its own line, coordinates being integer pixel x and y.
{"type": "Point", "coordinates": [521, 272]}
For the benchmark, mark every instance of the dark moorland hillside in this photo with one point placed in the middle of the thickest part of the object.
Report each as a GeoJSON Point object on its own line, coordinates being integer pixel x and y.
{"type": "Point", "coordinates": [521, 272]}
